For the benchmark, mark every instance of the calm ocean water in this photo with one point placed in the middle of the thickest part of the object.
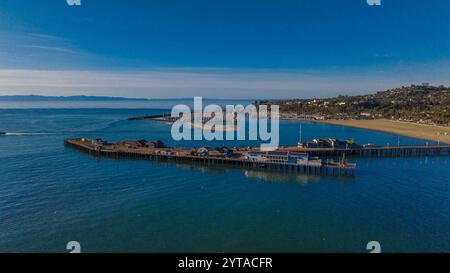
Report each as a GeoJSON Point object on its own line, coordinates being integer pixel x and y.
{"type": "Point", "coordinates": [50, 194]}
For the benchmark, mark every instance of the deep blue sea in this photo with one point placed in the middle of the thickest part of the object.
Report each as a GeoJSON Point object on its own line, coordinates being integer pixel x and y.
{"type": "Point", "coordinates": [50, 194]}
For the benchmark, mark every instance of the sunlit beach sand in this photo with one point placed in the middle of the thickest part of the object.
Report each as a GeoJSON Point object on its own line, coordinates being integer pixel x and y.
{"type": "Point", "coordinates": [421, 131]}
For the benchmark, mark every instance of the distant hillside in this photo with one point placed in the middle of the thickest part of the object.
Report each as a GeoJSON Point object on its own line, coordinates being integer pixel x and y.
{"type": "Point", "coordinates": [416, 103]}
{"type": "Point", "coordinates": [70, 98]}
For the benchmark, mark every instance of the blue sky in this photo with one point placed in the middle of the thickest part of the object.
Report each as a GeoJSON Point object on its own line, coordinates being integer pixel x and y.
{"type": "Point", "coordinates": [221, 49]}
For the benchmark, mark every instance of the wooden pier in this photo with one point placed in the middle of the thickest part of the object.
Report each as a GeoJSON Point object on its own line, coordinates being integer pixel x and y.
{"type": "Point", "coordinates": [385, 151]}
{"type": "Point", "coordinates": [329, 168]}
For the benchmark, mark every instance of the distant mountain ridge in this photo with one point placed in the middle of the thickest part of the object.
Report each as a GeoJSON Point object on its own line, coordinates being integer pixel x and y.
{"type": "Point", "coordinates": [66, 98]}
{"type": "Point", "coordinates": [102, 98]}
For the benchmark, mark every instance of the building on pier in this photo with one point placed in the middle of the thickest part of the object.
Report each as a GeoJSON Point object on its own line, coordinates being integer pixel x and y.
{"type": "Point", "coordinates": [329, 143]}
{"type": "Point", "coordinates": [283, 157]}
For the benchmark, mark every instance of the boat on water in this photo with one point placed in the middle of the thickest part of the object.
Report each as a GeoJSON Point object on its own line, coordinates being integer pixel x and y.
{"type": "Point", "coordinates": [2, 133]}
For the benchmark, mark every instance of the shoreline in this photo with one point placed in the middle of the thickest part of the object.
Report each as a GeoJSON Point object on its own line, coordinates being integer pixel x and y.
{"type": "Point", "coordinates": [435, 133]}
{"type": "Point", "coordinates": [402, 128]}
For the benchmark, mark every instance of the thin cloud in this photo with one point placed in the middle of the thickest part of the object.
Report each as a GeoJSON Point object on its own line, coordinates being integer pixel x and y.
{"type": "Point", "coordinates": [45, 36]}
{"type": "Point", "coordinates": [52, 48]}
{"type": "Point", "coordinates": [213, 82]}
{"type": "Point", "coordinates": [163, 79]}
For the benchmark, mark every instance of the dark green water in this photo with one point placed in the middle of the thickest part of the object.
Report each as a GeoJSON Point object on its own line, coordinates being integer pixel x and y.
{"type": "Point", "coordinates": [50, 195]}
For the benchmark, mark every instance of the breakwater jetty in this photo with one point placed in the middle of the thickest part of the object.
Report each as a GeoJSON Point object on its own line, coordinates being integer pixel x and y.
{"type": "Point", "coordinates": [163, 117]}
{"type": "Point", "coordinates": [243, 157]}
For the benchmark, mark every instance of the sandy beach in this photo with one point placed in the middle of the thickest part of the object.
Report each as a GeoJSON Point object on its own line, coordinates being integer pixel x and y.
{"type": "Point", "coordinates": [421, 131]}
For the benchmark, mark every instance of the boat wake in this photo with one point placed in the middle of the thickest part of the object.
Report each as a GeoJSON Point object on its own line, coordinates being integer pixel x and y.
{"type": "Point", "coordinates": [22, 134]}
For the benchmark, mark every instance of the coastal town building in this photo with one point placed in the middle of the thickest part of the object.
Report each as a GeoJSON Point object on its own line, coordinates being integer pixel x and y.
{"type": "Point", "coordinates": [132, 144]}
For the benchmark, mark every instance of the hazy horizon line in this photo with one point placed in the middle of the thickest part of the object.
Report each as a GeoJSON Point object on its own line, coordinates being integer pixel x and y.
{"type": "Point", "coordinates": [117, 98]}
